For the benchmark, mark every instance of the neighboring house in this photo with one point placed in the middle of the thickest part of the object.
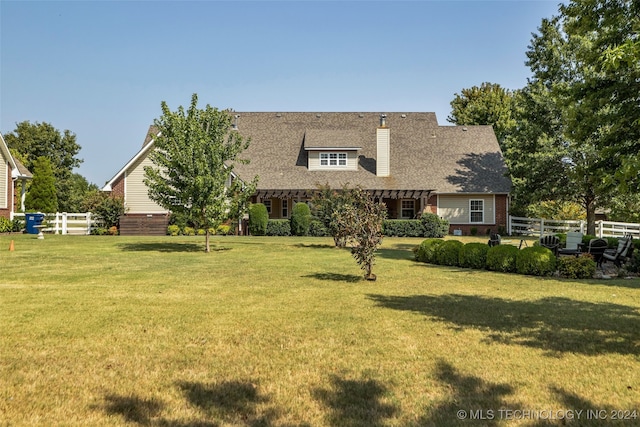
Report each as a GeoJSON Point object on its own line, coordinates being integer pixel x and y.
{"type": "Point", "coordinates": [405, 159]}
{"type": "Point", "coordinates": [11, 171]}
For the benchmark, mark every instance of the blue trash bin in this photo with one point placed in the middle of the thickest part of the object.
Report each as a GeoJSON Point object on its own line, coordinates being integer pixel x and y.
{"type": "Point", "coordinates": [33, 220]}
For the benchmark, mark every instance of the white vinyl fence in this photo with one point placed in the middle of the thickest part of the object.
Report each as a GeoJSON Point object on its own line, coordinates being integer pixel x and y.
{"type": "Point", "coordinates": [540, 226]}
{"type": "Point", "coordinates": [65, 223]}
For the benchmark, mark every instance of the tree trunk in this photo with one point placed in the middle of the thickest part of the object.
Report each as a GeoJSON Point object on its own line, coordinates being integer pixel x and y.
{"type": "Point", "coordinates": [590, 205]}
{"type": "Point", "coordinates": [206, 240]}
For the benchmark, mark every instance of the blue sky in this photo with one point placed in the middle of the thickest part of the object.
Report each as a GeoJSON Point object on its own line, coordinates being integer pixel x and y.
{"type": "Point", "coordinates": [101, 68]}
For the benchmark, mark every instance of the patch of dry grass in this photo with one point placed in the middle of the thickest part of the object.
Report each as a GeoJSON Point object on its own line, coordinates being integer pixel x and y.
{"type": "Point", "coordinates": [283, 332]}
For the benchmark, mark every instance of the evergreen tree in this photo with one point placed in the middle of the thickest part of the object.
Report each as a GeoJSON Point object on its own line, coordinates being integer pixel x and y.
{"type": "Point", "coordinates": [41, 196]}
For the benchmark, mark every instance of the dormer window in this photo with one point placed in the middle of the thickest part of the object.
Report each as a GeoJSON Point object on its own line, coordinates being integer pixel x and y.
{"type": "Point", "coordinates": [333, 159]}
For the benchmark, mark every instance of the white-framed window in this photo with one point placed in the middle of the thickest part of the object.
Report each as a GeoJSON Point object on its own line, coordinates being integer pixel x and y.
{"type": "Point", "coordinates": [476, 211]}
{"type": "Point", "coordinates": [285, 208]}
{"type": "Point", "coordinates": [267, 203]}
{"type": "Point", "coordinates": [408, 208]}
{"type": "Point", "coordinates": [333, 159]}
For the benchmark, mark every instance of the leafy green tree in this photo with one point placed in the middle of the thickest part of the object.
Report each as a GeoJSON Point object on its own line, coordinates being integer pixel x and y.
{"type": "Point", "coordinates": [488, 104]}
{"type": "Point", "coordinates": [33, 140]}
{"type": "Point", "coordinates": [574, 117]}
{"type": "Point", "coordinates": [193, 158]}
{"type": "Point", "coordinates": [41, 196]}
{"type": "Point", "coordinates": [80, 190]}
{"type": "Point", "coordinates": [106, 208]}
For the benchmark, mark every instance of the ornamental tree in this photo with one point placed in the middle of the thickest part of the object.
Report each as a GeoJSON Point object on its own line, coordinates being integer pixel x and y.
{"type": "Point", "coordinates": [193, 160]}
{"type": "Point", "coordinates": [361, 219]}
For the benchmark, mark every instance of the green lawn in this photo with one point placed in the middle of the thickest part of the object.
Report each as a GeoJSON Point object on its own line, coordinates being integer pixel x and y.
{"type": "Point", "coordinates": [283, 332]}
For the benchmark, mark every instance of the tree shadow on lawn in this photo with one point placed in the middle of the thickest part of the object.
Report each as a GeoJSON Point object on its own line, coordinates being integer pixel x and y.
{"type": "Point", "coordinates": [228, 402]}
{"type": "Point", "coordinates": [355, 402]}
{"type": "Point", "coordinates": [553, 324]}
{"type": "Point", "coordinates": [167, 247]}
{"type": "Point", "coordinates": [336, 277]}
{"type": "Point", "coordinates": [472, 401]}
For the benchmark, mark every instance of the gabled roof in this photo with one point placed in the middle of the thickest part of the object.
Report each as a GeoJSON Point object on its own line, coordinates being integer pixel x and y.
{"type": "Point", "coordinates": [424, 156]}
{"type": "Point", "coordinates": [18, 170]}
{"type": "Point", "coordinates": [447, 159]}
{"type": "Point", "coordinates": [146, 147]}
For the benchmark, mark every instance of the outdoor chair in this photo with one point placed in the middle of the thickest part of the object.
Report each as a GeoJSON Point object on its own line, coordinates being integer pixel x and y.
{"type": "Point", "coordinates": [596, 248]}
{"type": "Point", "coordinates": [550, 242]}
{"type": "Point", "coordinates": [573, 246]}
{"type": "Point", "coordinates": [621, 253]}
{"type": "Point", "coordinates": [494, 239]}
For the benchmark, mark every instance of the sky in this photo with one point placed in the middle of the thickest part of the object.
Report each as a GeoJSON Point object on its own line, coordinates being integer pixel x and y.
{"type": "Point", "coordinates": [102, 68]}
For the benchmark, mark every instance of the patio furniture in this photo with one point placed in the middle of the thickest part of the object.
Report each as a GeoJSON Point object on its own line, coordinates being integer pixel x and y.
{"type": "Point", "coordinates": [494, 239]}
{"type": "Point", "coordinates": [621, 253]}
{"type": "Point", "coordinates": [550, 242]}
{"type": "Point", "coordinates": [596, 248]}
{"type": "Point", "coordinates": [573, 246]}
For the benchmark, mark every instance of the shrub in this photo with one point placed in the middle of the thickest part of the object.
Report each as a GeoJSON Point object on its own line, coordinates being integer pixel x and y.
{"type": "Point", "coordinates": [536, 261]}
{"type": "Point", "coordinates": [403, 228]}
{"type": "Point", "coordinates": [278, 227]}
{"type": "Point", "coordinates": [99, 231]}
{"type": "Point", "coordinates": [426, 251]}
{"type": "Point", "coordinates": [318, 229]}
{"type": "Point", "coordinates": [502, 258]}
{"type": "Point", "coordinates": [300, 219]}
{"type": "Point", "coordinates": [582, 267]}
{"type": "Point", "coordinates": [201, 232]}
{"type": "Point", "coordinates": [5, 225]}
{"type": "Point", "coordinates": [587, 238]}
{"type": "Point", "coordinates": [224, 229]}
{"type": "Point", "coordinates": [17, 224]}
{"type": "Point", "coordinates": [113, 230]}
{"type": "Point", "coordinates": [258, 219]}
{"type": "Point", "coordinates": [189, 231]}
{"type": "Point", "coordinates": [474, 255]}
{"type": "Point", "coordinates": [434, 226]}
{"type": "Point", "coordinates": [448, 253]}
{"type": "Point", "coordinates": [173, 230]}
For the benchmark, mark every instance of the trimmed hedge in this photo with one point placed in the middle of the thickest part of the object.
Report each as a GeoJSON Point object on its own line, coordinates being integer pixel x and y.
{"type": "Point", "coordinates": [318, 229]}
{"type": "Point", "coordinates": [278, 227]}
{"type": "Point", "coordinates": [502, 258]}
{"type": "Point", "coordinates": [581, 267]}
{"type": "Point", "coordinates": [448, 253]}
{"type": "Point", "coordinates": [403, 228]}
{"type": "Point", "coordinates": [300, 219]}
{"type": "Point", "coordinates": [258, 219]}
{"type": "Point", "coordinates": [536, 261]}
{"type": "Point", "coordinates": [434, 226]}
{"type": "Point", "coordinates": [474, 255]}
{"type": "Point", "coordinates": [426, 251]}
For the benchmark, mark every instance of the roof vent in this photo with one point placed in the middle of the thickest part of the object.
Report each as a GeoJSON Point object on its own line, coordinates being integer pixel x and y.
{"type": "Point", "coordinates": [464, 129]}
{"type": "Point", "coordinates": [234, 125]}
{"type": "Point", "coordinates": [404, 116]}
{"type": "Point", "coordinates": [383, 120]}
{"type": "Point", "coordinates": [318, 115]}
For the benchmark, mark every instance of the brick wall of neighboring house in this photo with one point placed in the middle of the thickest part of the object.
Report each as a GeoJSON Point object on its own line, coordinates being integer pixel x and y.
{"type": "Point", "coordinates": [117, 189]}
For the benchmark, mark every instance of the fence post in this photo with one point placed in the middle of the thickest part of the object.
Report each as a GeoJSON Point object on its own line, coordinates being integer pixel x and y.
{"type": "Point", "coordinates": [541, 227]}
{"type": "Point", "coordinates": [509, 225]}
{"type": "Point", "coordinates": [88, 223]}
{"type": "Point", "coordinates": [64, 222]}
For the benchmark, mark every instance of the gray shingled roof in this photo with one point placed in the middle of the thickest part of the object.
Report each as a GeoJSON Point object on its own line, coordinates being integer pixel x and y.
{"type": "Point", "coordinates": [424, 156]}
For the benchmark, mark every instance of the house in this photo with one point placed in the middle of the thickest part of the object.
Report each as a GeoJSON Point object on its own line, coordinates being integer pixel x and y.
{"type": "Point", "coordinates": [405, 159]}
{"type": "Point", "coordinates": [11, 171]}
